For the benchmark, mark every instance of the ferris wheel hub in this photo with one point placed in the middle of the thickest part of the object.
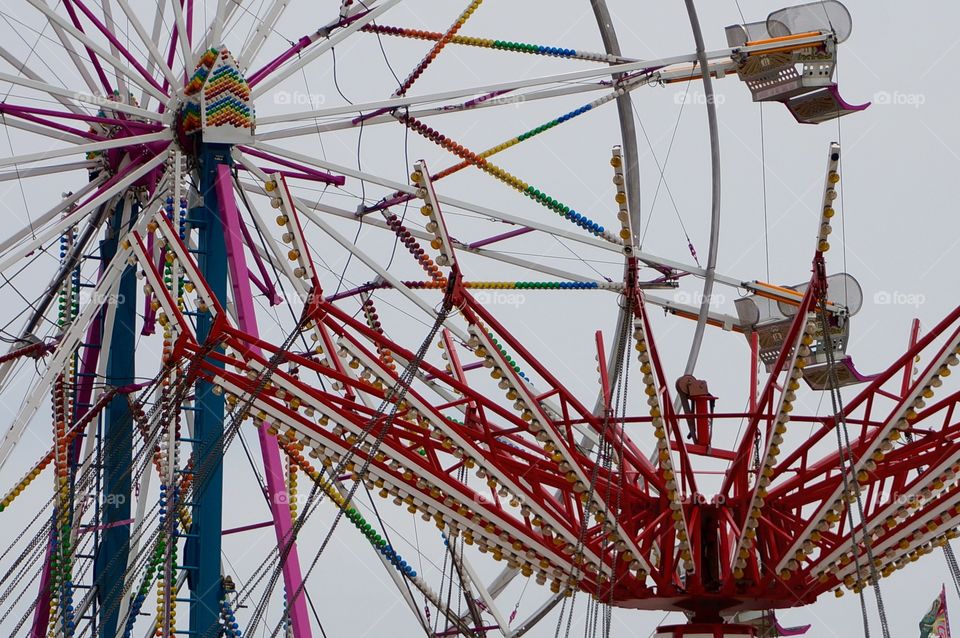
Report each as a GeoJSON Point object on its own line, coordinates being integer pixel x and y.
{"type": "Point", "coordinates": [217, 104]}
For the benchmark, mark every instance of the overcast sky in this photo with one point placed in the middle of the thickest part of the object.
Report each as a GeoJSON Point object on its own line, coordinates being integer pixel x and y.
{"type": "Point", "coordinates": [897, 234]}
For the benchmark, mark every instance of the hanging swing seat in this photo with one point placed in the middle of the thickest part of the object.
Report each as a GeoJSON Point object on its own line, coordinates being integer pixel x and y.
{"type": "Point", "coordinates": [800, 77]}
{"type": "Point", "coordinates": [771, 321]}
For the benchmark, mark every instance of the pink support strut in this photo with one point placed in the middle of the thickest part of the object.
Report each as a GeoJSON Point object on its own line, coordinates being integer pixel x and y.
{"type": "Point", "coordinates": [269, 448]}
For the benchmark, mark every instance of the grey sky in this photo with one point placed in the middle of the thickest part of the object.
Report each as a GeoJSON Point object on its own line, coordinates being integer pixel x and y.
{"type": "Point", "coordinates": [897, 232]}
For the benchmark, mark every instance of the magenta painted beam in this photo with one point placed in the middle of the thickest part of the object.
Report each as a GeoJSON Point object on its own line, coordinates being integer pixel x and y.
{"type": "Point", "coordinates": [297, 47]}
{"type": "Point", "coordinates": [171, 53]}
{"type": "Point", "coordinates": [366, 116]}
{"type": "Point", "coordinates": [90, 52]}
{"type": "Point", "coordinates": [119, 175]}
{"type": "Point", "coordinates": [264, 283]}
{"type": "Point", "coordinates": [239, 273]}
{"type": "Point", "coordinates": [268, 290]}
{"type": "Point", "coordinates": [336, 180]}
{"type": "Point", "coordinates": [135, 128]}
{"type": "Point", "coordinates": [322, 177]}
{"type": "Point", "coordinates": [278, 61]}
{"type": "Point", "coordinates": [189, 21]}
{"type": "Point", "coordinates": [269, 448]}
{"type": "Point", "coordinates": [41, 613]}
{"type": "Point", "coordinates": [149, 314]}
{"type": "Point", "coordinates": [387, 203]}
{"type": "Point", "coordinates": [508, 235]}
{"type": "Point", "coordinates": [118, 46]}
{"type": "Point", "coordinates": [246, 528]}
{"type": "Point", "coordinates": [57, 126]}
{"type": "Point", "coordinates": [356, 291]}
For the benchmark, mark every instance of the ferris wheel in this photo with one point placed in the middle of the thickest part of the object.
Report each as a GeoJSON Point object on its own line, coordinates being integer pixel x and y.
{"type": "Point", "coordinates": [214, 249]}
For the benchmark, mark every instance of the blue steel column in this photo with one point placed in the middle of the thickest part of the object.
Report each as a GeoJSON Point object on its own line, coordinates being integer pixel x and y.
{"type": "Point", "coordinates": [117, 442]}
{"type": "Point", "coordinates": [202, 554]}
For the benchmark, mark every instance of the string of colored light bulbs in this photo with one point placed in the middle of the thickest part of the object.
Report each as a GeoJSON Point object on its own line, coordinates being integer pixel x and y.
{"type": "Point", "coordinates": [438, 281]}
{"type": "Point", "coordinates": [373, 322]}
{"type": "Point", "coordinates": [63, 406]}
{"type": "Point", "coordinates": [293, 452]}
{"type": "Point", "coordinates": [500, 45]}
{"type": "Point", "coordinates": [437, 47]}
{"type": "Point", "coordinates": [400, 197]}
{"type": "Point", "coordinates": [480, 161]}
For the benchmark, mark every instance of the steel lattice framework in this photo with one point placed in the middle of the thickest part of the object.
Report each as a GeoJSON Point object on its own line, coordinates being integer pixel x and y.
{"type": "Point", "coordinates": [481, 437]}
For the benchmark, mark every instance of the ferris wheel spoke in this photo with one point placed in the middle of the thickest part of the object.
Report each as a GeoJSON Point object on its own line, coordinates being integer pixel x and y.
{"type": "Point", "coordinates": [570, 79]}
{"type": "Point", "coordinates": [78, 62]}
{"type": "Point", "coordinates": [107, 27]}
{"type": "Point", "coordinates": [156, 58]}
{"type": "Point", "coordinates": [40, 129]}
{"type": "Point", "coordinates": [94, 100]}
{"type": "Point", "coordinates": [91, 54]}
{"type": "Point", "coordinates": [472, 248]}
{"type": "Point", "coordinates": [143, 79]}
{"type": "Point", "coordinates": [500, 45]}
{"type": "Point", "coordinates": [91, 120]}
{"type": "Point", "coordinates": [456, 203]}
{"type": "Point", "coordinates": [281, 68]}
{"type": "Point", "coordinates": [65, 348]}
{"type": "Point", "coordinates": [208, 41]}
{"type": "Point", "coordinates": [217, 25]}
{"type": "Point", "coordinates": [62, 131]}
{"type": "Point", "coordinates": [161, 63]}
{"type": "Point", "coordinates": [637, 73]}
{"type": "Point", "coordinates": [22, 67]}
{"type": "Point", "coordinates": [68, 201]}
{"type": "Point", "coordinates": [258, 37]}
{"type": "Point", "coordinates": [91, 147]}
{"type": "Point", "coordinates": [485, 101]}
{"type": "Point", "coordinates": [103, 195]}
{"type": "Point", "coordinates": [302, 171]}
{"type": "Point", "coordinates": [181, 36]}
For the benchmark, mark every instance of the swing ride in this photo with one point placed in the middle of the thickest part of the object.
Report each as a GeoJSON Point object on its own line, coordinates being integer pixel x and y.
{"type": "Point", "coordinates": [199, 282]}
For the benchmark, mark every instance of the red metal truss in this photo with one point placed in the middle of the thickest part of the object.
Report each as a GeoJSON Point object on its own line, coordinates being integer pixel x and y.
{"type": "Point", "coordinates": [511, 473]}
